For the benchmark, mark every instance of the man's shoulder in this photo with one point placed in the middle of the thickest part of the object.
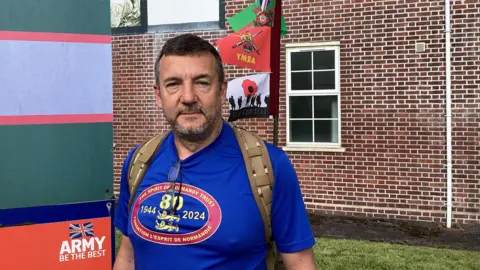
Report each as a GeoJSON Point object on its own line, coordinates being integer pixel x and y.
{"type": "Point", "coordinates": [133, 149]}
{"type": "Point", "coordinates": [275, 152]}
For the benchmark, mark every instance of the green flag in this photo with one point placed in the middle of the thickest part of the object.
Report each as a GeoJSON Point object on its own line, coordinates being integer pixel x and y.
{"type": "Point", "coordinates": [248, 17]}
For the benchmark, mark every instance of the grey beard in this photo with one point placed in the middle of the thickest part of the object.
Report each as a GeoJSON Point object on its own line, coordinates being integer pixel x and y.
{"type": "Point", "coordinates": [195, 135]}
{"type": "Point", "coordinates": [191, 134]}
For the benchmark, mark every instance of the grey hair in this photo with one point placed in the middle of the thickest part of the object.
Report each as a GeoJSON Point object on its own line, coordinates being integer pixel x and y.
{"type": "Point", "coordinates": [189, 44]}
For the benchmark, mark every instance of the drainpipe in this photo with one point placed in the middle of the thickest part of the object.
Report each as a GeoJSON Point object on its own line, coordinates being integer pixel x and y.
{"type": "Point", "coordinates": [448, 115]}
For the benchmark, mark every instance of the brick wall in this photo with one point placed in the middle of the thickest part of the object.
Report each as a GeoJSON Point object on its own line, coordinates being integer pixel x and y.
{"type": "Point", "coordinates": [393, 106]}
{"type": "Point", "coordinates": [466, 109]}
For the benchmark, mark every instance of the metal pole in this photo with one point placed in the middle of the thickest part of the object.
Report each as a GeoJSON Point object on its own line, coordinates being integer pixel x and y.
{"type": "Point", "coordinates": [275, 130]}
{"type": "Point", "coordinates": [448, 94]}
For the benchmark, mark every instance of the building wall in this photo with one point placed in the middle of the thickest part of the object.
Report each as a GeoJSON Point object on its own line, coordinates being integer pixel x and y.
{"type": "Point", "coordinates": [392, 157]}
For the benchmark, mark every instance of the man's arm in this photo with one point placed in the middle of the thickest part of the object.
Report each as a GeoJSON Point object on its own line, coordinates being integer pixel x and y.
{"type": "Point", "coordinates": [124, 260]}
{"type": "Point", "coordinates": [301, 260]}
{"type": "Point", "coordinates": [291, 227]}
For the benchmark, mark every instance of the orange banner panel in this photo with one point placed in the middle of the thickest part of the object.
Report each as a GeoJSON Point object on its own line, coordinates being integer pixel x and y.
{"type": "Point", "coordinates": [79, 244]}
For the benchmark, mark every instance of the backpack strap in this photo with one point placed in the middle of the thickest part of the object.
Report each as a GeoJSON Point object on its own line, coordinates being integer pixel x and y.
{"type": "Point", "coordinates": [139, 164]}
{"type": "Point", "coordinates": [260, 175]}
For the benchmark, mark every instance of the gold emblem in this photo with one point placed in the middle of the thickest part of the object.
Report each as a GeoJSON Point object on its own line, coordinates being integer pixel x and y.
{"type": "Point", "coordinates": [162, 226]}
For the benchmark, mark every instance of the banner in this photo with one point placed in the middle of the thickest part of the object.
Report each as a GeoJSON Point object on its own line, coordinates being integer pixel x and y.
{"type": "Point", "coordinates": [76, 244]}
{"type": "Point", "coordinates": [256, 15]}
{"type": "Point", "coordinates": [57, 237]}
{"type": "Point", "coordinates": [248, 48]}
{"type": "Point", "coordinates": [64, 52]}
{"type": "Point", "coordinates": [248, 96]}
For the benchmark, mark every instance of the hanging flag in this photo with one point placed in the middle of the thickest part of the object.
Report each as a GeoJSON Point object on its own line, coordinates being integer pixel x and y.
{"type": "Point", "coordinates": [248, 48]}
{"type": "Point", "coordinates": [275, 45]}
{"type": "Point", "coordinates": [255, 16]}
{"type": "Point", "coordinates": [248, 96]}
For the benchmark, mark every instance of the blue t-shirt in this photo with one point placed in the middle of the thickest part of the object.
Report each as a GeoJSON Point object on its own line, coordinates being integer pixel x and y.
{"type": "Point", "coordinates": [218, 224]}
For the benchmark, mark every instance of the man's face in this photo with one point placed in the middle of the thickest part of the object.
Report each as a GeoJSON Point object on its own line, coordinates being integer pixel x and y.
{"type": "Point", "coordinates": [190, 95]}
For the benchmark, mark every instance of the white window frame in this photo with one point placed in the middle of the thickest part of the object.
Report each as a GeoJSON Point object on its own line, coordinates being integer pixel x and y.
{"type": "Point", "coordinates": [310, 47]}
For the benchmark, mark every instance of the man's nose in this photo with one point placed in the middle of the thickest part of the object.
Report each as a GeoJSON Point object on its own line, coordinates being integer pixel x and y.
{"type": "Point", "coordinates": [188, 94]}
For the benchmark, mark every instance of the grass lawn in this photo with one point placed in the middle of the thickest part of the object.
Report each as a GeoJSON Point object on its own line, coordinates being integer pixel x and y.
{"type": "Point", "coordinates": [353, 254]}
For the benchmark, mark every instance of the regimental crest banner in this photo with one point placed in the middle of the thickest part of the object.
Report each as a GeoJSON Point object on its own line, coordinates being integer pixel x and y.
{"type": "Point", "coordinates": [248, 96]}
{"type": "Point", "coordinates": [248, 48]}
{"type": "Point", "coordinates": [259, 13]}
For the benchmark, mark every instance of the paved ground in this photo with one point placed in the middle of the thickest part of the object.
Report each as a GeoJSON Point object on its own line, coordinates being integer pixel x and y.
{"type": "Point", "coordinates": [401, 232]}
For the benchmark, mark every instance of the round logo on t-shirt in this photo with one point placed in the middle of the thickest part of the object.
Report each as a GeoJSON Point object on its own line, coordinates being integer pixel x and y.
{"type": "Point", "coordinates": [197, 218]}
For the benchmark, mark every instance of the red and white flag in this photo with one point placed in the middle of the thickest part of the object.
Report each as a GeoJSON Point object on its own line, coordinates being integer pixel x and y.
{"type": "Point", "coordinates": [248, 96]}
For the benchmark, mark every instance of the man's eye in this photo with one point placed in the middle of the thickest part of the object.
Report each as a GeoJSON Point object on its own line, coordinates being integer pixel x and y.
{"type": "Point", "coordinates": [203, 83]}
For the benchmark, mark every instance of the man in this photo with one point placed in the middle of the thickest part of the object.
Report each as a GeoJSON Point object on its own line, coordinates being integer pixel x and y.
{"type": "Point", "coordinates": [214, 223]}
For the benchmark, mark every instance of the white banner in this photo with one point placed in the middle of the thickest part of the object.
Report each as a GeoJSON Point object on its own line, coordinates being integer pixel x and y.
{"type": "Point", "coordinates": [248, 96]}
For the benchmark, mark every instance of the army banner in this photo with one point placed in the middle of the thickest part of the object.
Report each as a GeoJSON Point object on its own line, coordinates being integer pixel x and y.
{"type": "Point", "coordinates": [248, 48]}
{"type": "Point", "coordinates": [76, 244]}
{"type": "Point", "coordinates": [248, 96]}
{"type": "Point", "coordinates": [58, 237]}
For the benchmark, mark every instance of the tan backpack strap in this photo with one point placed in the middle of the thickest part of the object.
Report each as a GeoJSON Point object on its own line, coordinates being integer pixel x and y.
{"type": "Point", "coordinates": [260, 175]}
{"type": "Point", "coordinates": [140, 160]}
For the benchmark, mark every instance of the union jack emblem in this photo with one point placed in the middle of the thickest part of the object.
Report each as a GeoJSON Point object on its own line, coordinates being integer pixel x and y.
{"type": "Point", "coordinates": [81, 230]}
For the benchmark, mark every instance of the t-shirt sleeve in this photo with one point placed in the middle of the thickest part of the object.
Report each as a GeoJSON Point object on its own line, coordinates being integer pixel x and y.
{"type": "Point", "coordinates": [121, 215]}
{"type": "Point", "coordinates": [290, 224]}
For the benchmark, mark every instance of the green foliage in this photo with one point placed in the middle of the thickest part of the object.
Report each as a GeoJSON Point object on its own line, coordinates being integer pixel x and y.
{"type": "Point", "coordinates": [126, 14]}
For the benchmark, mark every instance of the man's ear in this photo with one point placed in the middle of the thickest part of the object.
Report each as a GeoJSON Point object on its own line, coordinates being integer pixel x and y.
{"type": "Point", "coordinates": [223, 92]}
{"type": "Point", "coordinates": [158, 98]}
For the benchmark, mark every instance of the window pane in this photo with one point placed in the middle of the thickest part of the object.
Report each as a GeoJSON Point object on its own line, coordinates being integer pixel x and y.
{"type": "Point", "coordinates": [301, 80]}
{"type": "Point", "coordinates": [324, 60]}
{"type": "Point", "coordinates": [324, 80]}
{"type": "Point", "coordinates": [301, 61]}
{"type": "Point", "coordinates": [326, 131]}
{"type": "Point", "coordinates": [301, 107]}
{"type": "Point", "coordinates": [301, 131]}
{"type": "Point", "coordinates": [326, 107]}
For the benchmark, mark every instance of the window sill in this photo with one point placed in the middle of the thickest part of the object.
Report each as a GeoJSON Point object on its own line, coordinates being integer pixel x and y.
{"type": "Point", "coordinates": [314, 149]}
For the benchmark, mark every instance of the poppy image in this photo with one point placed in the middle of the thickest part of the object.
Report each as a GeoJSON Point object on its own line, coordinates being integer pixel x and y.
{"type": "Point", "coordinates": [250, 87]}
{"type": "Point", "coordinates": [248, 96]}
